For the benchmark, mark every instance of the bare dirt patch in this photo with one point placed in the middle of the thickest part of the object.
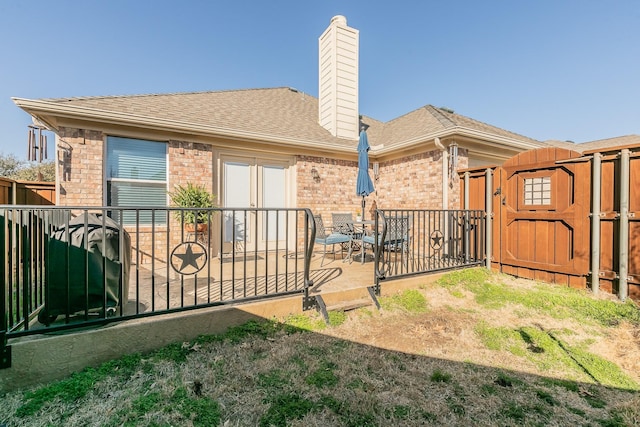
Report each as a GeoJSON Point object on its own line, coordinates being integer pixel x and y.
{"type": "Point", "coordinates": [446, 330]}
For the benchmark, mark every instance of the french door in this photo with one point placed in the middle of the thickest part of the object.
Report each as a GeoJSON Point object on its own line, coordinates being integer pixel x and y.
{"type": "Point", "coordinates": [251, 182]}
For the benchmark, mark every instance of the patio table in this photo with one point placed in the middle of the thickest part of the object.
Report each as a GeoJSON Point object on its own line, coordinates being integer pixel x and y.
{"type": "Point", "coordinates": [360, 227]}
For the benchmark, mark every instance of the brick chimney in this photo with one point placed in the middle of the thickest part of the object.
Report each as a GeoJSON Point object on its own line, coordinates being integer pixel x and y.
{"type": "Point", "coordinates": [338, 79]}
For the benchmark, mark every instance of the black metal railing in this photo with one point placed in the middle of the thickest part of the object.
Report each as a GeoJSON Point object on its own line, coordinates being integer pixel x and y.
{"type": "Point", "coordinates": [73, 267]}
{"type": "Point", "coordinates": [415, 241]}
{"type": "Point", "coordinates": [68, 267]}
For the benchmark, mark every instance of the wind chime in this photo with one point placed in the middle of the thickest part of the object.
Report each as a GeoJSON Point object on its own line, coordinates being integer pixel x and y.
{"type": "Point", "coordinates": [453, 160]}
{"type": "Point", "coordinates": [37, 146]}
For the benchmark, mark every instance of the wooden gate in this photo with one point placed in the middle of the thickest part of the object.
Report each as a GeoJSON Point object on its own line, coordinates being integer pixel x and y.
{"type": "Point", "coordinates": [562, 217]}
{"type": "Point", "coordinates": [544, 216]}
{"type": "Point", "coordinates": [540, 206]}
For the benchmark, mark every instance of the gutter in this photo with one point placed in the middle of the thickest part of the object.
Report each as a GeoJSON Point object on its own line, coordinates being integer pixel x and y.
{"type": "Point", "coordinates": [491, 139]}
{"type": "Point", "coordinates": [34, 107]}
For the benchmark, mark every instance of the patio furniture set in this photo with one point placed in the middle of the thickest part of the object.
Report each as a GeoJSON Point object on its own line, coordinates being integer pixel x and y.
{"type": "Point", "coordinates": [356, 235]}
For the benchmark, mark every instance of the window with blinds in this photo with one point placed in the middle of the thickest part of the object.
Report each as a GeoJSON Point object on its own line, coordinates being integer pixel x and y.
{"type": "Point", "coordinates": [137, 177]}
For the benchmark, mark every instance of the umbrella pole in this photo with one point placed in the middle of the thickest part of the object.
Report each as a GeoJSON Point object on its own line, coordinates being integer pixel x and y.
{"type": "Point", "coordinates": [363, 204]}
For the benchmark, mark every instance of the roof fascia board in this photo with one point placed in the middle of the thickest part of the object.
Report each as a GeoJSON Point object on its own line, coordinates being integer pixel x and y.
{"type": "Point", "coordinates": [39, 108]}
{"type": "Point", "coordinates": [479, 137]}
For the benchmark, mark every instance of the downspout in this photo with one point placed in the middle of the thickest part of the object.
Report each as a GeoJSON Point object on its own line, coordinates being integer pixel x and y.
{"type": "Point", "coordinates": [623, 290]}
{"type": "Point", "coordinates": [445, 193]}
{"type": "Point", "coordinates": [467, 176]}
{"type": "Point", "coordinates": [445, 173]}
{"type": "Point", "coordinates": [467, 227]}
{"type": "Point", "coordinates": [489, 212]}
{"type": "Point", "coordinates": [595, 223]}
{"type": "Point", "coordinates": [57, 162]}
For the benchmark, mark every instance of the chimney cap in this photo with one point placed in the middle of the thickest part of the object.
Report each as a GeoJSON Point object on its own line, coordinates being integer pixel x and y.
{"type": "Point", "coordinates": [339, 19]}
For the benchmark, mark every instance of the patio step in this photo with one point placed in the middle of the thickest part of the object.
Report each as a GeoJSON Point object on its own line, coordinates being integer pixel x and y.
{"type": "Point", "coordinates": [346, 305]}
{"type": "Point", "coordinates": [350, 305]}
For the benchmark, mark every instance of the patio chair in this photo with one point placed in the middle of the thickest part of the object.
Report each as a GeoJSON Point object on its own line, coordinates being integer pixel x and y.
{"type": "Point", "coordinates": [343, 223]}
{"type": "Point", "coordinates": [396, 238]}
{"type": "Point", "coordinates": [325, 239]}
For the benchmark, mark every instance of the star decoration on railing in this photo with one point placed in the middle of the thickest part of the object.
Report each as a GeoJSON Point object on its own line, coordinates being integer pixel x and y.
{"type": "Point", "coordinates": [188, 258]}
{"type": "Point", "coordinates": [436, 239]}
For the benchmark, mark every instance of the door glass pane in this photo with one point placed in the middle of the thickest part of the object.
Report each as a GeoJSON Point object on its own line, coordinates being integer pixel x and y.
{"type": "Point", "coordinates": [273, 196]}
{"type": "Point", "coordinates": [237, 194]}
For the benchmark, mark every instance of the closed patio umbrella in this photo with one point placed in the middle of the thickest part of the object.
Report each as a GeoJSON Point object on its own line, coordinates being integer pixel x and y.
{"type": "Point", "coordinates": [364, 185]}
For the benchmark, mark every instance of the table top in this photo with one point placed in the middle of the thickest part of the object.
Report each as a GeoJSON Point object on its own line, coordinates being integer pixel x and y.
{"type": "Point", "coordinates": [369, 221]}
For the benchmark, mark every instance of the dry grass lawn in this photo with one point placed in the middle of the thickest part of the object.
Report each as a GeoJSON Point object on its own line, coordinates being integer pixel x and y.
{"type": "Point", "coordinates": [472, 350]}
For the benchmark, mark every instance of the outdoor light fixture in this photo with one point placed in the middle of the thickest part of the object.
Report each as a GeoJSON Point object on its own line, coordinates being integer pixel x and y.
{"type": "Point", "coordinates": [376, 170]}
{"type": "Point", "coordinates": [314, 174]}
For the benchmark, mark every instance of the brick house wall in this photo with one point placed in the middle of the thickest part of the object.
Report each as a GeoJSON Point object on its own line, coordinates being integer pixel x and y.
{"type": "Point", "coordinates": [333, 191]}
{"type": "Point", "coordinates": [324, 184]}
{"type": "Point", "coordinates": [81, 175]}
{"type": "Point", "coordinates": [415, 182]}
{"type": "Point", "coordinates": [409, 182]}
{"type": "Point", "coordinates": [80, 155]}
{"type": "Point", "coordinates": [81, 168]}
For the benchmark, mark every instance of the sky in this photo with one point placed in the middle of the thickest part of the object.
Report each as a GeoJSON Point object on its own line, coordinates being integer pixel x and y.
{"type": "Point", "coordinates": [546, 69]}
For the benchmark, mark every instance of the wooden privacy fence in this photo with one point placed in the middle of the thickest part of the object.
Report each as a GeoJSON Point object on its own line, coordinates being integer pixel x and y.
{"type": "Point", "coordinates": [563, 217]}
{"type": "Point", "coordinates": [26, 192]}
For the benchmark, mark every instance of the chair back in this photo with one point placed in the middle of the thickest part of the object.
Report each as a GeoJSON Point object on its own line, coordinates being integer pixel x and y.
{"type": "Point", "coordinates": [397, 229]}
{"type": "Point", "coordinates": [321, 232]}
{"type": "Point", "coordinates": [342, 223]}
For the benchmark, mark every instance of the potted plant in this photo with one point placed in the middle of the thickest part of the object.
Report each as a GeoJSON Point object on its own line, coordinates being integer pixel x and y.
{"type": "Point", "coordinates": [192, 196]}
{"type": "Point", "coordinates": [358, 215]}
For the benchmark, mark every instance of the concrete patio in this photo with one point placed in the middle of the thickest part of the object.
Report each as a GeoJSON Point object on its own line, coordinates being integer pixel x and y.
{"type": "Point", "coordinates": [160, 287]}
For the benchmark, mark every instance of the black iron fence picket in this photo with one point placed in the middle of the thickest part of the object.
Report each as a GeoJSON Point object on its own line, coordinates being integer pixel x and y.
{"type": "Point", "coordinates": [69, 267]}
{"type": "Point", "coordinates": [72, 267]}
{"type": "Point", "coordinates": [410, 242]}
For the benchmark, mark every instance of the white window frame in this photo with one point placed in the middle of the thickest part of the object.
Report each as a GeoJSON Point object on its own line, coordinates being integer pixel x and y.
{"type": "Point", "coordinates": [161, 218]}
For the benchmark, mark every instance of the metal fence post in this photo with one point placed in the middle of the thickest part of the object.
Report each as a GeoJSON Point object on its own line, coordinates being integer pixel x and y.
{"type": "Point", "coordinates": [5, 350]}
{"type": "Point", "coordinates": [489, 214]}
{"type": "Point", "coordinates": [623, 290]}
{"type": "Point", "coordinates": [595, 223]}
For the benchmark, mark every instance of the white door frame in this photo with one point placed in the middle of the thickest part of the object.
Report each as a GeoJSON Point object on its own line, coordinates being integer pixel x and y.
{"type": "Point", "coordinates": [257, 164]}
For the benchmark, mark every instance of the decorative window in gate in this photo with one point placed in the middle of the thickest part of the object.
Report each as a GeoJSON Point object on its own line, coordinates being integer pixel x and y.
{"type": "Point", "coordinates": [537, 191]}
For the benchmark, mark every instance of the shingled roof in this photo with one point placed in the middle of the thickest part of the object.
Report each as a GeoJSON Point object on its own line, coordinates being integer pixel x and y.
{"type": "Point", "coordinates": [430, 120]}
{"type": "Point", "coordinates": [598, 145]}
{"type": "Point", "coordinates": [277, 112]}
{"type": "Point", "coordinates": [272, 114]}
